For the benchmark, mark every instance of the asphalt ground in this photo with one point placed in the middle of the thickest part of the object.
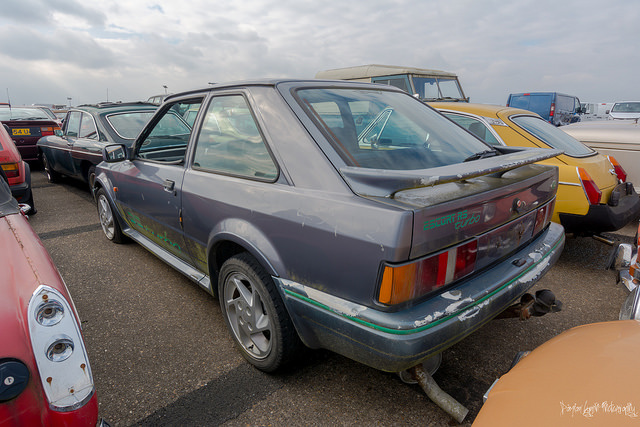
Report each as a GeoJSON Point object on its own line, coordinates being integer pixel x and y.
{"type": "Point", "coordinates": [161, 355]}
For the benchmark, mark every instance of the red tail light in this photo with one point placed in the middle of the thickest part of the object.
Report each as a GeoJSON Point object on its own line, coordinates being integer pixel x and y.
{"type": "Point", "coordinates": [12, 170]}
{"type": "Point", "coordinates": [413, 280]}
{"type": "Point", "coordinates": [553, 109]}
{"type": "Point", "coordinates": [48, 130]}
{"type": "Point", "coordinates": [620, 172]}
{"type": "Point", "coordinates": [590, 188]}
{"type": "Point", "coordinates": [543, 216]}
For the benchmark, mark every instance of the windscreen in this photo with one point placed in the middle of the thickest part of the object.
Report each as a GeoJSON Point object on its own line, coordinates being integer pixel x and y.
{"type": "Point", "coordinates": [626, 107]}
{"type": "Point", "coordinates": [437, 88]}
{"type": "Point", "coordinates": [553, 136]}
{"type": "Point", "coordinates": [382, 129]}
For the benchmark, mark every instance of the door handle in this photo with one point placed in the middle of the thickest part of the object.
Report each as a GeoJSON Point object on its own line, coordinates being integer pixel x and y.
{"type": "Point", "coordinates": [169, 185]}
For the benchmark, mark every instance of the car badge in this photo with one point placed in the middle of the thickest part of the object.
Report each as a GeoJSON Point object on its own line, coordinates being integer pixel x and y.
{"type": "Point", "coordinates": [518, 205]}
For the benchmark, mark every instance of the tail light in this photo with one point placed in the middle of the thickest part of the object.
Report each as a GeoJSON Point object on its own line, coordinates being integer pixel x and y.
{"type": "Point", "coordinates": [552, 110]}
{"type": "Point", "coordinates": [620, 172]}
{"type": "Point", "coordinates": [48, 130]}
{"type": "Point", "coordinates": [12, 170]}
{"type": "Point", "coordinates": [59, 350]}
{"type": "Point", "coordinates": [590, 188]}
{"type": "Point", "coordinates": [543, 216]}
{"type": "Point", "coordinates": [406, 282]}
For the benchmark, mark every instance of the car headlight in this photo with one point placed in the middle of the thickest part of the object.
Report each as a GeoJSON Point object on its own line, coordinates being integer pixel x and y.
{"type": "Point", "coordinates": [631, 306]}
{"type": "Point", "coordinates": [59, 350]}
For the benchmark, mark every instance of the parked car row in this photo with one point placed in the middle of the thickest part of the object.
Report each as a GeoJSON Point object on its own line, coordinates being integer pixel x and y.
{"type": "Point", "coordinates": [346, 216]}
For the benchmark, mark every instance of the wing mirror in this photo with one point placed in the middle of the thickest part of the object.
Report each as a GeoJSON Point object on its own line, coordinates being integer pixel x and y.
{"type": "Point", "coordinates": [114, 153]}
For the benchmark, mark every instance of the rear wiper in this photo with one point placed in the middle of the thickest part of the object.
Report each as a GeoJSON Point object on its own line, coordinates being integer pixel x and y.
{"type": "Point", "coordinates": [481, 155]}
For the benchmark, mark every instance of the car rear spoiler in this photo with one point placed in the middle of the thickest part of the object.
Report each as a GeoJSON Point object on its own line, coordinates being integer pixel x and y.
{"type": "Point", "coordinates": [385, 182]}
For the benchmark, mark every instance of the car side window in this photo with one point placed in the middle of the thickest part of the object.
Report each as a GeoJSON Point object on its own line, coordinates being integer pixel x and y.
{"type": "Point", "coordinates": [166, 141]}
{"type": "Point", "coordinates": [73, 124]}
{"type": "Point", "coordinates": [88, 127]}
{"type": "Point", "coordinates": [475, 126]}
{"type": "Point", "coordinates": [230, 141]}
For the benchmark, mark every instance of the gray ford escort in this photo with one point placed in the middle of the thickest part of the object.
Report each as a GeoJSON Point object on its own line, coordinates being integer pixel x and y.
{"type": "Point", "coordinates": [346, 216]}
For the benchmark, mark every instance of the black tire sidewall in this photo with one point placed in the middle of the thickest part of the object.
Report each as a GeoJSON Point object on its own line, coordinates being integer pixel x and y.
{"type": "Point", "coordinates": [248, 266]}
{"type": "Point", "coordinates": [52, 176]}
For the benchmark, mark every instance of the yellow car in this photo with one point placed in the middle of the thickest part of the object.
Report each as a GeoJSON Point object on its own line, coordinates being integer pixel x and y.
{"type": "Point", "coordinates": [593, 195]}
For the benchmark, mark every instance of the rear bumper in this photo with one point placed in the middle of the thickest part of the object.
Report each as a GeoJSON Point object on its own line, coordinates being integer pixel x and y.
{"type": "Point", "coordinates": [603, 218]}
{"type": "Point", "coordinates": [394, 341]}
{"type": "Point", "coordinates": [21, 191]}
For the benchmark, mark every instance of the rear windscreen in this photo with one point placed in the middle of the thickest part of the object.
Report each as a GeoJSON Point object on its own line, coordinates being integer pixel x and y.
{"type": "Point", "coordinates": [387, 130]}
{"type": "Point", "coordinates": [552, 136]}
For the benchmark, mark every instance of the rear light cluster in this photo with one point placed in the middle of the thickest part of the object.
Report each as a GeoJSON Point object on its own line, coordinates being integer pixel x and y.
{"type": "Point", "coordinates": [543, 216]}
{"type": "Point", "coordinates": [12, 170]}
{"type": "Point", "coordinates": [59, 350]}
{"type": "Point", "coordinates": [409, 281]}
{"type": "Point", "coordinates": [415, 279]}
{"type": "Point", "coordinates": [590, 188]}
{"type": "Point", "coordinates": [48, 130]}
{"type": "Point", "coordinates": [552, 110]}
{"type": "Point", "coordinates": [619, 170]}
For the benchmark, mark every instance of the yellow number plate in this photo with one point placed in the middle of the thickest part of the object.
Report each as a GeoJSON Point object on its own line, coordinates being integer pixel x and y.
{"type": "Point", "coordinates": [21, 131]}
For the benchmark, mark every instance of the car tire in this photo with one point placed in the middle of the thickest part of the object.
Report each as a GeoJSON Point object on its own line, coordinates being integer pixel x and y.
{"type": "Point", "coordinates": [91, 176]}
{"type": "Point", "coordinates": [31, 203]}
{"type": "Point", "coordinates": [255, 314]}
{"type": "Point", "coordinates": [108, 220]}
{"type": "Point", "coordinates": [52, 176]}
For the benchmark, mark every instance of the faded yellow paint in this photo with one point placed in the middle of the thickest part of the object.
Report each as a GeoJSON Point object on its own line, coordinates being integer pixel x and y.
{"type": "Point", "coordinates": [588, 375]}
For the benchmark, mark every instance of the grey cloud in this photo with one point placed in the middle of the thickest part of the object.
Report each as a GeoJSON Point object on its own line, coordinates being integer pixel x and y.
{"type": "Point", "coordinates": [70, 47]}
{"type": "Point", "coordinates": [41, 12]}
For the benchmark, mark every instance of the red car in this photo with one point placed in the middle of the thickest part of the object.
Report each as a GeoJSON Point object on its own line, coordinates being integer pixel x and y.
{"type": "Point", "coordinates": [45, 376]}
{"type": "Point", "coordinates": [16, 170]}
{"type": "Point", "coordinates": [27, 125]}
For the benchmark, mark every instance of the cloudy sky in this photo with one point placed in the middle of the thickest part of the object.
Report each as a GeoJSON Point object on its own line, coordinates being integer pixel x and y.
{"type": "Point", "coordinates": [127, 50]}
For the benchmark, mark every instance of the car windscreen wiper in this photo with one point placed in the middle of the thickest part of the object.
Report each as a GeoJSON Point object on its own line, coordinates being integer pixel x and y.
{"type": "Point", "coordinates": [481, 155]}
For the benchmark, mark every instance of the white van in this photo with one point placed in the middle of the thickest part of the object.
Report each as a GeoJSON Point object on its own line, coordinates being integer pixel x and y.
{"type": "Point", "coordinates": [595, 110]}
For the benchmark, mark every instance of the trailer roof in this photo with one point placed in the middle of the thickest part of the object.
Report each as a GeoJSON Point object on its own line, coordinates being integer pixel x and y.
{"type": "Point", "coordinates": [375, 70]}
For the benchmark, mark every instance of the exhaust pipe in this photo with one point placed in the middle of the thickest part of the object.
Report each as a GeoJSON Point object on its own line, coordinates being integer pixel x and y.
{"type": "Point", "coordinates": [542, 303]}
{"type": "Point", "coordinates": [451, 406]}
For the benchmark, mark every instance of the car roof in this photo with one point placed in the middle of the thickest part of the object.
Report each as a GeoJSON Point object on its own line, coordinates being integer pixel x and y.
{"type": "Point", "coordinates": [376, 70]}
{"type": "Point", "coordinates": [274, 82]}
{"type": "Point", "coordinates": [485, 110]}
{"type": "Point", "coordinates": [114, 107]}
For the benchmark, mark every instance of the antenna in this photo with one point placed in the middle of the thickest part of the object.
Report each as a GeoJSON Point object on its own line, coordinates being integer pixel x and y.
{"type": "Point", "coordinates": [8, 98]}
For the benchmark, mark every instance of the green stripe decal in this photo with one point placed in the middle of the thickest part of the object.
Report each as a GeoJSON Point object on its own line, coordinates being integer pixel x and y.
{"type": "Point", "coordinates": [425, 327]}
